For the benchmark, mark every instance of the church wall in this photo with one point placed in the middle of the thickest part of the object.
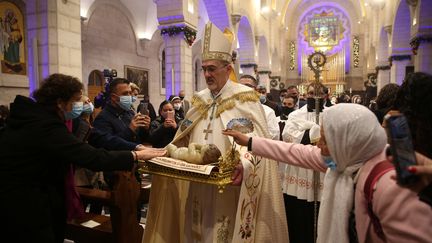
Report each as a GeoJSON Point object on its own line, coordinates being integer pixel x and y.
{"type": "Point", "coordinates": [109, 42]}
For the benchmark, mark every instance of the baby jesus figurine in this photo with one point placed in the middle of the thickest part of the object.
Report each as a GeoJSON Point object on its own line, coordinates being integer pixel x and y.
{"type": "Point", "coordinates": [195, 153]}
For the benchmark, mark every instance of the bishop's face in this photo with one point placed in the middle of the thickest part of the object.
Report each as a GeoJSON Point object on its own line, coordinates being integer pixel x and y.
{"type": "Point", "coordinates": [216, 74]}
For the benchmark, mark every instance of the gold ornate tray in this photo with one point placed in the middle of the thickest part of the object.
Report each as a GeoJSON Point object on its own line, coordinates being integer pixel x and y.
{"type": "Point", "coordinates": [220, 174]}
{"type": "Point", "coordinates": [216, 177]}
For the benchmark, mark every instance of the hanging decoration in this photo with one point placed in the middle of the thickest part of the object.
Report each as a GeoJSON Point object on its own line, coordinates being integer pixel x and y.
{"type": "Point", "coordinates": [398, 58]}
{"type": "Point", "coordinates": [292, 55]}
{"type": "Point", "coordinates": [189, 34]}
{"type": "Point", "coordinates": [416, 41]}
{"type": "Point", "coordinates": [356, 51]}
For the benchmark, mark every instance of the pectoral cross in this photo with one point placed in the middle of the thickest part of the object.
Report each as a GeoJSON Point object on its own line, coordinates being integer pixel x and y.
{"type": "Point", "coordinates": [207, 131]}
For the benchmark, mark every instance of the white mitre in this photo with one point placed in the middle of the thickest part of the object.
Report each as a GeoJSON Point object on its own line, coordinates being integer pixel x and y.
{"type": "Point", "coordinates": [217, 44]}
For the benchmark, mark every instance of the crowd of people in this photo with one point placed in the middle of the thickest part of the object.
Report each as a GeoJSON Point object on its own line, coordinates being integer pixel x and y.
{"type": "Point", "coordinates": [334, 161]}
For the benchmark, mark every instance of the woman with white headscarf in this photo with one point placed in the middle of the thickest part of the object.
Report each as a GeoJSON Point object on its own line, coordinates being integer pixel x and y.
{"type": "Point", "coordinates": [352, 143]}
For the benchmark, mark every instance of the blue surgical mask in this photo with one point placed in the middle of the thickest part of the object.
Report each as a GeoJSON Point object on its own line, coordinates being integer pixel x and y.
{"type": "Point", "coordinates": [134, 98]}
{"type": "Point", "coordinates": [263, 99]}
{"type": "Point", "coordinates": [329, 162]}
{"type": "Point", "coordinates": [88, 108]}
{"type": "Point", "coordinates": [77, 108]}
{"type": "Point", "coordinates": [125, 102]}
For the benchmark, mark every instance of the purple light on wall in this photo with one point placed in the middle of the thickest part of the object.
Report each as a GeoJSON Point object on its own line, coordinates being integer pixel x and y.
{"type": "Point", "coordinates": [303, 45]}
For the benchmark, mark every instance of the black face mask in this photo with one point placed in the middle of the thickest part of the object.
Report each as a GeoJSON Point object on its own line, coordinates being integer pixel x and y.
{"type": "Point", "coordinates": [287, 110]}
{"type": "Point", "coordinates": [311, 104]}
{"type": "Point", "coordinates": [181, 97]}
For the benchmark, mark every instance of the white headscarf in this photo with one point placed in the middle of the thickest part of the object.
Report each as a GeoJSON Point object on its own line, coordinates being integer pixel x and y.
{"type": "Point", "coordinates": [353, 135]}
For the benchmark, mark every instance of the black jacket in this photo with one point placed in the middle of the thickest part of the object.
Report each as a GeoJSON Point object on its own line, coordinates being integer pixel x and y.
{"type": "Point", "coordinates": [36, 149]}
{"type": "Point", "coordinates": [111, 130]}
{"type": "Point", "coordinates": [159, 135]}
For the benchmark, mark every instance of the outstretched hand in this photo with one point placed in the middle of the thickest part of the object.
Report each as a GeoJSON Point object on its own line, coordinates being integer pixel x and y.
{"type": "Point", "coordinates": [238, 137]}
{"type": "Point", "coordinates": [150, 153]}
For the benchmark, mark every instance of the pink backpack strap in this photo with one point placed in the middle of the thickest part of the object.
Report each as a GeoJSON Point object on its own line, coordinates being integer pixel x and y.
{"type": "Point", "coordinates": [379, 170]}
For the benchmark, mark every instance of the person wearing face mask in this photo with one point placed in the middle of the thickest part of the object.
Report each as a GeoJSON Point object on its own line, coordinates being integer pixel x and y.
{"type": "Point", "coordinates": [117, 126]}
{"type": "Point", "coordinates": [163, 129]}
{"type": "Point", "coordinates": [36, 152]}
{"type": "Point", "coordinates": [352, 143]}
{"type": "Point", "coordinates": [282, 94]}
{"type": "Point", "coordinates": [185, 103]}
{"type": "Point", "coordinates": [263, 97]}
{"type": "Point", "coordinates": [177, 104]}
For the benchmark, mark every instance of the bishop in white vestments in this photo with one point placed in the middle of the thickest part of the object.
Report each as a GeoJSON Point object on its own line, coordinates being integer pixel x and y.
{"type": "Point", "coordinates": [251, 211]}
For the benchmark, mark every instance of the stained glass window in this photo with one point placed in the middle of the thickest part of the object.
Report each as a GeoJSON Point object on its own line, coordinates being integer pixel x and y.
{"type": "Point", "coordinates": [323, 30]}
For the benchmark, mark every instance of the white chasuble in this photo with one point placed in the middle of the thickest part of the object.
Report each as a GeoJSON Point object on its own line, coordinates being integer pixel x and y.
{"type": "Point", "coordinates": [252, 212]}
{"type": "Point", "coordinates": [297, 181]}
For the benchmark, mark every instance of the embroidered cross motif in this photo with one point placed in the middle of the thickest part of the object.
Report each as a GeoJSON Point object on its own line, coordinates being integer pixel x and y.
{"type": "Point", "coordinates": [207, 131]}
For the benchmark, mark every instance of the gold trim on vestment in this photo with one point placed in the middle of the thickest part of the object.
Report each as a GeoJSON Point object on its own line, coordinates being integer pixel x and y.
{"type": "Point", "coordinates": [224, 104]}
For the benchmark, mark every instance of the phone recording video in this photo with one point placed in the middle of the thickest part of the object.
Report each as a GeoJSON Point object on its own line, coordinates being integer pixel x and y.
{"type": "Point", "coordinates": [401, 148]}
{"type": "Point", "coordinates": [144, 109]}
{"type": "Point", "coordinates": [170, 115]}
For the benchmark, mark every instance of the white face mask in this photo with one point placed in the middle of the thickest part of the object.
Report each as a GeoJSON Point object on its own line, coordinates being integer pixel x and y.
{"type": "Point", "coordinates": [177, 106]}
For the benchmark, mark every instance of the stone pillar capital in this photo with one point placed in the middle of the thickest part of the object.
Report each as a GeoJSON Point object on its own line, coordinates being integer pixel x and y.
{"type": "Point", "coordinates": [388, 29]}
{"type": "Point", "coordinates": [412, 3]}
{"type": "Point", "coordinates": [235, 19]}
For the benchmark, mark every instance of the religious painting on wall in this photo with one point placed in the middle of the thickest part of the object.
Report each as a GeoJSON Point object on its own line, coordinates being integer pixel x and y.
{"type": "Point", "coordinates": [12, 46]}
{"type": "Point", "coordinates": [139, 76]}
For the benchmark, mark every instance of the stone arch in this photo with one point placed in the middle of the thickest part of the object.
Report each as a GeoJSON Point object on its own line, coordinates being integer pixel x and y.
{"type": "Point", "coordinates": [245, 37]}
{"type": "Point", "coordinates": [103, 42]}
{"type": "Point", "coordinates": [117, 5]}
{"type": "Point", "coordinates": [263, 54]}
{"type": "Point", "coordinates": [401, 31]}
{"type": "Point", "coordinates": [217, 11]}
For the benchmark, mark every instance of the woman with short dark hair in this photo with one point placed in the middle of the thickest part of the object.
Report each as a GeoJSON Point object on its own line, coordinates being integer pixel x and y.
{"type": "Point", "coordinates": [36, 151]}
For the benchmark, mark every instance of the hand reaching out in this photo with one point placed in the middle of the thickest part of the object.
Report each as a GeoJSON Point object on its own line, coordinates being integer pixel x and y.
{"type": "Point", "coordinates": [238, 137]}
{"type": "Point", "coordinates": [150, 153]}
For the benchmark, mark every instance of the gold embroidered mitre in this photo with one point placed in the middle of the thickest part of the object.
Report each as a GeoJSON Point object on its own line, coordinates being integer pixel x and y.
{"type": "Point", "coordinates": [217, 44]}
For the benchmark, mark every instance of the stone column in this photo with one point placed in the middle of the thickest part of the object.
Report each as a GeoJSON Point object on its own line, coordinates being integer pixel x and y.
{"type": "Point", "coordinates": [178, 56]}
{"type": "Point", "coordinates": [249, 69]}
{"type": "Point", "coordinates": [422, 50]}
{"type": "Point", "coordinates": [264, 79]}
{"type": "Point", "coordinates": [55, 25]}
{"type": "Point", "coordinates": [235, 20]}
{"type": "Point", "coordinates": [398, 68]}
{"type": "Point", "coordinates": [177, 22]}
{"type": "Point", "coordinates": [383, 76]}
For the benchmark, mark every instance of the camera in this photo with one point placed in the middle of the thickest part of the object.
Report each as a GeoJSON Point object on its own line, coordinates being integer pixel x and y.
{"type": "Point", "coordinates": [109, 73]}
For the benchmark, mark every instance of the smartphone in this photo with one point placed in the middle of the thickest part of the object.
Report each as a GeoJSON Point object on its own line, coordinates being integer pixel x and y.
{"type": "Point", "coordinates": [144, 109]}
{"type": "Point", "coordinates": [401, 148]}
{"type": "Point", "coordinates": [170, 115]}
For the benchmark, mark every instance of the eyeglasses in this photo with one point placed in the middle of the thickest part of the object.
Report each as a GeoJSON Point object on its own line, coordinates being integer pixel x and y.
{"type": "Point", "coordinates": [211, 69]}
